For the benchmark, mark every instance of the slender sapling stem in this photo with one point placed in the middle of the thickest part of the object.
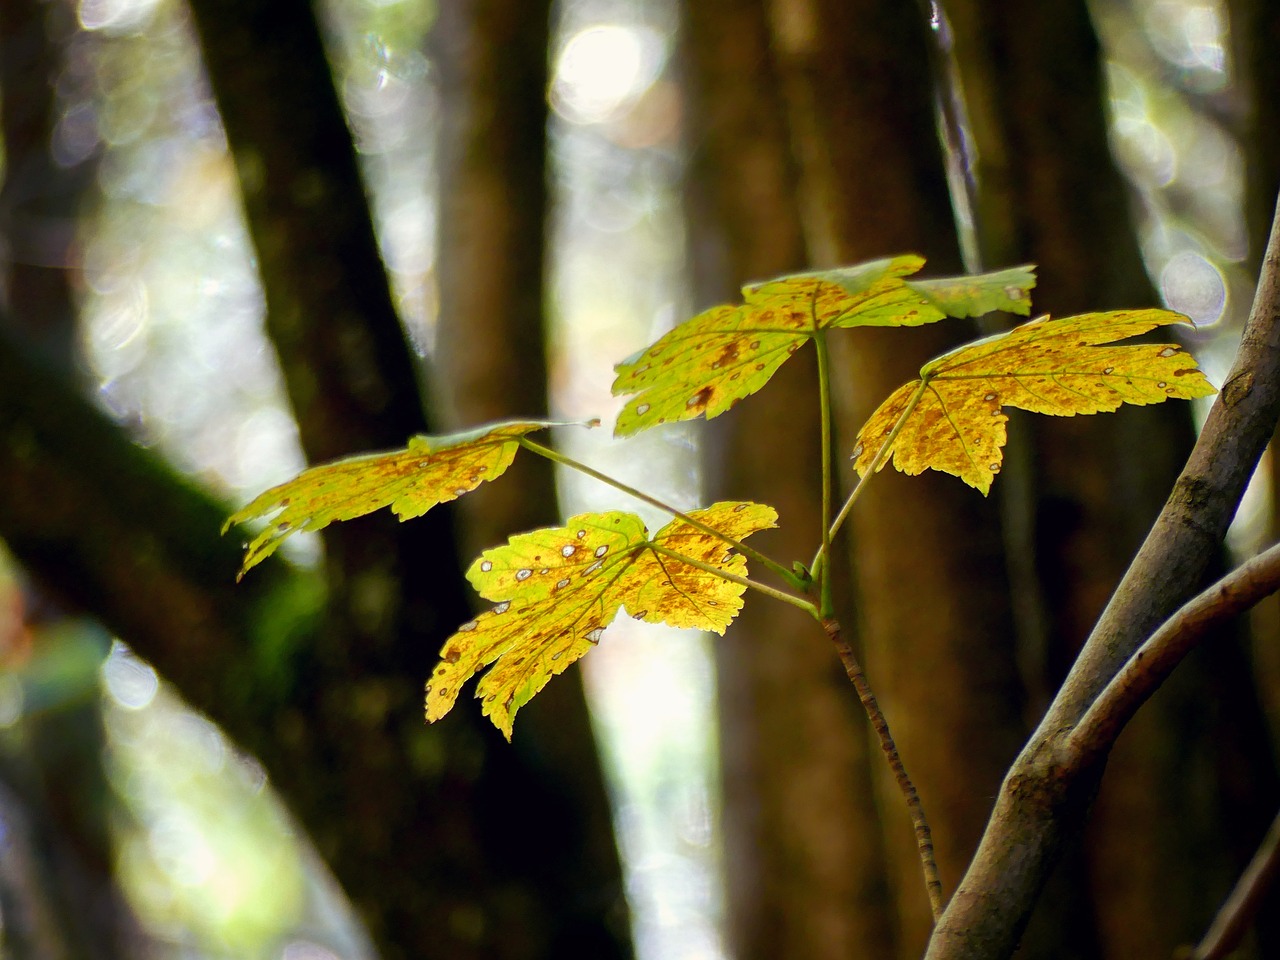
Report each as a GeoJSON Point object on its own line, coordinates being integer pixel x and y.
{"type": "Point", "coordinates": [556, 456]}
{"type": "Point", "coordinates": [924, 836]}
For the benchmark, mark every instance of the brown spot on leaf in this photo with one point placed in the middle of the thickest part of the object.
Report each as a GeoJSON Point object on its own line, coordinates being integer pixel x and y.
{"type": "Point", "coordinates": [700, 399]}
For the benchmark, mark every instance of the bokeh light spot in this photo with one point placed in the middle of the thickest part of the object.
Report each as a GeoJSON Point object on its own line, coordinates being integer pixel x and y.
{"type": "Point", "coordinates": [1192, 285]}
{"type": "Point", "coordinates": [603, 69]}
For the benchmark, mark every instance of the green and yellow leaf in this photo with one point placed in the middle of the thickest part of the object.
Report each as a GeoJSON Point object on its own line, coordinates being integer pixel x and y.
{"type": "Point", "coordinates": [429, 471]}
{"type": "Point", "coordinates": [709, 363]}
{"type": "Point", "coordinates": [558, 589]}
{"type": "Point", "coordinates": [1059, 367]}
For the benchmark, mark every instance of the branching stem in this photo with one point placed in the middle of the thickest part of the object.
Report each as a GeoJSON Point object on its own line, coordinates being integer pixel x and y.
{"type": "Point", "coordinates": [556, 456]}
{"type": "Point", "coordinates": [1242, 588]}
{"type": "Point", "coordinates": [924, 836]}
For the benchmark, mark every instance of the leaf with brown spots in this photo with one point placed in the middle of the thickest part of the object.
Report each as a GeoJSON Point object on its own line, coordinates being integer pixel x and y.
{"type": "Point", "coordinates": [429, 471]}
{"type": "Point", "coordinates": [709, 363]}
{"type": "Point", "coordinates": [558, 589]}
{"type": "Point", "coordinates": [953, 419]}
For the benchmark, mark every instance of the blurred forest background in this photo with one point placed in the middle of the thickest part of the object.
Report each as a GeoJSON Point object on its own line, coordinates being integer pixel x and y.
{"type": "Point", "coordinates": [237, 237]}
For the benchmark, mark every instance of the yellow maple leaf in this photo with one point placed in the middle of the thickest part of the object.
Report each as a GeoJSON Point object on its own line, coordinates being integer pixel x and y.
{"type": "Point", "coordinates": [558, 589]}
{"type": "Point", "coordinates": [709, 363]}
{"type": "Point", "coordinates": [429, 471]}
{"type": "Point", "coordinates": [953, 420]}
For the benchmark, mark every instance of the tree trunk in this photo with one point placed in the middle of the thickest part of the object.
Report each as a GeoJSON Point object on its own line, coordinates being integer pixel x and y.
{"type": "Point", "coordinates": [52, 759]}
{"type": "Point", "coordinates": [1048, 191]}
{"type": "Point", "coordinates": [804, 867]}
{"type": "Point", "coordinates": [491, 334]}
{"type": "Point", "coordinates": [872, 181]}
{"type": "Point", "coordinates": [415, 821]}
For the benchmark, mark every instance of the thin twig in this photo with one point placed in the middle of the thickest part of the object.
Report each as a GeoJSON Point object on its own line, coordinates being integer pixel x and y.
{"type": "Point", "coordinates": [924, 836]}
{"type": "Point", "coordinates": [1152, 662]}
{"type": "Point", "coordinates": [1237, 913]}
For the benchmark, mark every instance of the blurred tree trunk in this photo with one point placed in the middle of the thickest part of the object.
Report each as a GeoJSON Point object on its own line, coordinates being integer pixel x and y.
{"type": "Point", "coordinates": [415, 821]}
{"type": "Point", "coordinates": [931, 591]}
{"type": "Point", "coordinates": [1255, 35]}
{"type": "Point", "coordinates": [804, 867]}
{"type": "Point", "coordinates": [52, 758]}
{"type": "Point", "coordinates": [1161, 842]}
{"type": "Point", "coordinates": [491, 333]}
{"type": "Point", "coordinates": [45, 175]}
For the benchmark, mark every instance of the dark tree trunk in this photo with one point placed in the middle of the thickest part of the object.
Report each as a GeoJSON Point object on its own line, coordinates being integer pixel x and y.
{"type": "Point", "coordinates": [489, 361]}
{"type": "Point", "coordinates": [1160, 843]}
{"type": "Point", "coordinates": [414, 820]}
{"type": "Point", "coordinates": [860, 104]}
{"type": "Point", "coordinates": [51, 761]}
{"type": "Point", "coordinates": [804, 864]}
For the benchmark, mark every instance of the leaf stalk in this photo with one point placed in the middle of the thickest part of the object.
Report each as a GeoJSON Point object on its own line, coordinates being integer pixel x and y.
{"type": "Point", "coordinates": [818, 569]}
{"type": "Point", "coordinates": [767, 590]}
{"type": "Point", "coordinates": [881, 456]}
{"type": "Point", "coordinates": [556, 456]}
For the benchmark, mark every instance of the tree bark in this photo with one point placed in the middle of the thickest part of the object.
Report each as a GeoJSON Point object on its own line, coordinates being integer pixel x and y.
{"type": "Point", "coordinates": [804, 865]}
{"type": "Point", "coordinates": [491, 333]}
{"type": "Point", "coordinates": [414, 821]}
{"type": "Point", "coordinates": [872, 181]}
{"type": "Point", "coordinates": [1160, 838]}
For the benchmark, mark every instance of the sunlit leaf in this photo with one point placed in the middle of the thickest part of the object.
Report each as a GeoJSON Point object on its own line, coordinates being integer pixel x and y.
{"type": "Point", "coordinates": [974, 296]}
{"type": "Point", "coordinates": [429, 471]}
{"type": "Point", "coordinates": [709, 363]}
{"type": "Point", "coordinates": [1060, 367]}
{"type": "Point", "coordinates": [558, 589]}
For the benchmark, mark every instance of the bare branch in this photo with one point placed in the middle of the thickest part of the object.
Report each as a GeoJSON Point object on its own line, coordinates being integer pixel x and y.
{"type": "Point", "coordinates": [1041, 803]}
{"type": "Point", "coordinates": [1229, 925]}
{"type": "Point", "coordinates": [1142, 675]}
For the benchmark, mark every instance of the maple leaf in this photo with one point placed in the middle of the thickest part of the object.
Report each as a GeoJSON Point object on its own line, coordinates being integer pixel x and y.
{"type": "Point", "coordinates": [709, 363]}
{"type": "Point", "coordinates": [1060, 367]}
{"type": "Point", "coordinates": [558, 589]}
{"type": "Point", "coordinates": [429, 471]}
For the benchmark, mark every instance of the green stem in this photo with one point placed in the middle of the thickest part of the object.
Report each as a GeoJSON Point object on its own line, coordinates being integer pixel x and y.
{"type": "Point", "coordinates": [818, 570]}
{"type": "Point", "coordinates": [556, 457]}
{"type": "Point", "coordinates": [881, 456]}
{"type": "Point", "coordinates": [769, 591]}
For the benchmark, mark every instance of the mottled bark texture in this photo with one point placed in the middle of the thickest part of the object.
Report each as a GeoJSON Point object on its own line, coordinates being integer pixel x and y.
{"type": "Point", "coordinates": [804, 864]}
{"type": "Point", "coordinates": [859, 101]}
{"type": "Point", "coordinates": [1161, 838]}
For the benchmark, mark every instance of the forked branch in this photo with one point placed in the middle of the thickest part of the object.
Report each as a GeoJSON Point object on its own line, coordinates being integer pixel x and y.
{"type": "Point", "coordinates": [1040, 802]}
{"type": "Point", "coordinates": [1142, 675]}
